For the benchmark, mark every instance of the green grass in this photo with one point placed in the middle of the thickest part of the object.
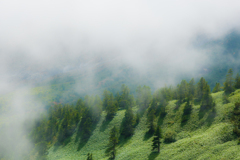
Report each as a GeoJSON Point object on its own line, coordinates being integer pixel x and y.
{"type": "Point", "coordinates": [208, 137]}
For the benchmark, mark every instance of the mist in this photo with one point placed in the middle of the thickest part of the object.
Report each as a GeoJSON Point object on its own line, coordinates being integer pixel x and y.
{"type": "Point", "coordinates": [156, 39]}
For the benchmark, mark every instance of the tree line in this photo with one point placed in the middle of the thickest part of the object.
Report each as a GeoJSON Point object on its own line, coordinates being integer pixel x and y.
{"type": "Point", "coordinates": [62, 120]}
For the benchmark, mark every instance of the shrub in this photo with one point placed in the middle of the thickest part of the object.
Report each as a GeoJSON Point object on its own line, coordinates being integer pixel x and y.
{"type": "Point", "coordinates": [170, 136]}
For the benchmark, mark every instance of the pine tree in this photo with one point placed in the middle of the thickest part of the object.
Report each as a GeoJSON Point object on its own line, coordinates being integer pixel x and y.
{"type": "Point", "coordinates": [200, 88]}
{"type": "Point", "coordinates": [182, 90]}
{"type": "Point", "coordinates": [191, 89]}
{"type": "Point", "coordinates": [128, 123]}
{"type": "Point", "coordinates": [216, 88]}
{"type": "Point", "coordinates": [157, 139]}
{"type": "Point", "coordinates": [150, 119]}
{"type": "Point", "coordinates": [237, 81]}
{"type": "Point", "coordinates": [229, 83]}
{"type": "Point", "coordinates": [112, 144]}
{"type": "Point", "coordinates": [111, 107]}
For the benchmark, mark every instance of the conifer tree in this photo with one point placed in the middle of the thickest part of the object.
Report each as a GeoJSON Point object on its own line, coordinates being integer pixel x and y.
{"type": "Point", "coordinates": [200, 88]}
{"type": "Point", "coordinates": [150, 119]}
{"type": "Point", "coordinates": [183, 90]}
{"type": "Point", "coordinates": [237, 81]}
{"type": "Point", "coordinates": [128, 123]}
{"type": "Point", "coordinates": [157, 139]}
{"type": "Point", "coordinates": [229, 83]}
{"type": "Point", "coordinates": [112, 144]}
{"type": "Point", "coordinates": [191, 89]}
{"type": "Point", "coordinates": [216, 88]}
{"type": "Point", "coordinates": [105, 98]}
{"type": "Point", "coordinates": [111, 107]}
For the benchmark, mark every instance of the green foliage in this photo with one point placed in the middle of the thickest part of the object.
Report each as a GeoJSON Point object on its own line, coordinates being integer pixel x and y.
{"type": "Point", "coordinates": [191, 89]}
{"type": "Point", "coordinates": [111, 107]}
{"type": "Point", "coordinates": [113, 141]}
{"type": "Point", "coordinates": [225, 99]}
{"type": "Point", "coordinates": [170, 136]}
{"type": "Point", "coordinates": [217, 88]}
{"type": "Point", "coordinates": [201, 86]}
{"type": "Point", "coordinates": [186, 112]}
{"type": "Point", "coordinates": [229, 83]}
{"type": "Point", "coordinates": [125, 99]}
{"type": "Point", "coordinates": [41, 148]}
{"type": "Point", "coordinates": [128, 123]}
{"type": "Point", "coordinates": [182, 90]}
{"type": "Point", "coordinates": [157, 139]}
{"type": "Point", "coordinates": [237, 81]}
{"type": "Point", "coordinates": [150, 119]}
{"type": "Point", "coordinates": [236, 119]}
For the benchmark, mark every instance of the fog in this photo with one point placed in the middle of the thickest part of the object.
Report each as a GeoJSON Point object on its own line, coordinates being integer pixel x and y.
{"type": "Point", "coordinates": [45, 38]}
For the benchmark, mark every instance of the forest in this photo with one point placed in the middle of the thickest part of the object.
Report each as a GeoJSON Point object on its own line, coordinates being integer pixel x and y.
{"type": "Point", "coordinates": [62, 121]}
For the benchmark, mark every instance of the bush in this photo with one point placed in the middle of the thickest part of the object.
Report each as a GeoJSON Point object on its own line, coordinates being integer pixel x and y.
{"type": "Point", "coordinates": [170, 136]}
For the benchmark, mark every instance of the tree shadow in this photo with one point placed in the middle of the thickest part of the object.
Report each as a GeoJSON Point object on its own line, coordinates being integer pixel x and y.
{"type": "Point", "coordinates": [178, 104]}
{"type": "Point", "coordinates": [123, 140]}
{"type": "Point", "coordinates": [161, 118]}
{"type": "Point", "coordinates": [153, 155]}
{"type": "Point", "coordinates": [105, 123]}
{"type": "Point", "coordinates": [211, 117]}
{"type": "Point", "coordinates": [185, 119]}
{"type": "Point", "coordinates": [203, 110]}
{"type": "Point", "coordinates": [148, 135]}
{"type": "Point", "coordinates": [83, 136]}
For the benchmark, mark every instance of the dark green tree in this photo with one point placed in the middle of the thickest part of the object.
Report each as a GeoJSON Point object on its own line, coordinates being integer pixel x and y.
{"type": "Point", "coordinates": [125, 99]}
{"type": "Point", "coordinates": [128, 123]}
{"type": "Point", "coordinates": [157, 139]}
{"type": "Point", "coordinates": [229, 83]}
{"type": "Point", "coordinates": [112, 144]}
{"type": "Point", "coordinates": [186, 112]}
{"type": "Point", "coordinates": [217, 88]}
{"type": "Point", "coordinates": [105, 99]}
{"type": "Point", "coordinates": [237, 81]}
{"type": "Point", "coordinates": [111, 107]}
{"type": "Point", "coordinates": [200, 88]}
{"type": "Point", "coordinates": [183, 90]}
{"type": "Point", "coordinates": [89, 156]}
{"type": "Point", "coordinates": [191, 89]}
{"type": "Point", "coordinates": [150, 119]}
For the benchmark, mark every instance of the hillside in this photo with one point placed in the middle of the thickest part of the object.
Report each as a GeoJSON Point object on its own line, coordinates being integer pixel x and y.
{"type": "Point", "coordinates": [209, 137]}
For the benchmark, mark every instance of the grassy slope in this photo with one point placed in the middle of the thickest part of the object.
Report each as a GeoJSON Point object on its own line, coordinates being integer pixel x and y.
{"type": "Point", "coordinates": [207, 138]}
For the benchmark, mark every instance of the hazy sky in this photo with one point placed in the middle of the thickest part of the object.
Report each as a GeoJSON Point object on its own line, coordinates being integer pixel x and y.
{"type": "Point", "coordinates": [44, 34]}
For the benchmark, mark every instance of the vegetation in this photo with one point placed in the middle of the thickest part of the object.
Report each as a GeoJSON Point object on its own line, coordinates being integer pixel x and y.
{"type": "Point", "coordinates": [157, 139]}
{"type": "Point", "coordinates": [112, 144]}
{"type": "Point", "coordinates": [186, 114]}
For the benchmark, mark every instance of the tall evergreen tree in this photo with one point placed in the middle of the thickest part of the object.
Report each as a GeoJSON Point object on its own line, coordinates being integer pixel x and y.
{"type": "Point", "coordinates": [112, 144]}
{"type": "Point", "coordinates": [128, 123]}
{"type": "Point", "coordinates": [157, 139]}
{"type": "Point", "coordinates": [111, 107]}
{"type": "Point", "coordinates": [150, 119]}
{"type": "Point", "coordinates": [229, 83]}
{"type": "Point", "coordinates": [200, 88]}
{"type": "Point", "coordinates": [191, 89]}
{"type": "Point", "coordinates": [183, 90]}
{"type": "Point", "coordinates": [237, 81]}
{"type": "Point", "coordinates": [217, 88]}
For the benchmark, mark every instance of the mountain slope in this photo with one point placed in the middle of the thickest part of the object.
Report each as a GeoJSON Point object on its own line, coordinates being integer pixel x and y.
{"type": "Point", "coordinates": [207, 137]}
